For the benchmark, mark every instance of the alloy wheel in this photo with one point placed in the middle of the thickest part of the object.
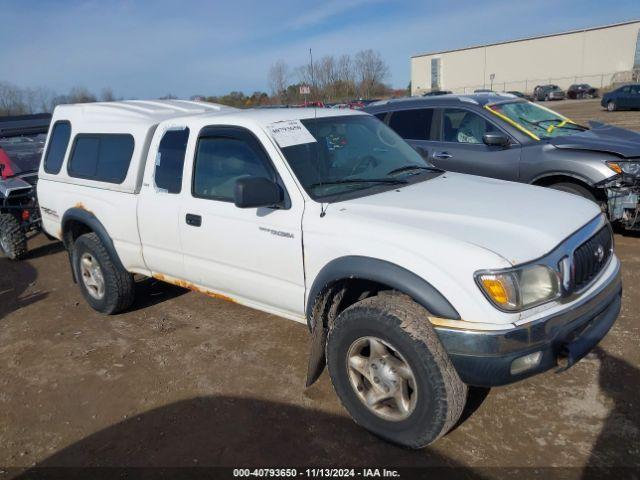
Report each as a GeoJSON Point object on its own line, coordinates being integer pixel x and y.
{"type": "Point", "coordinates": [381, 378]}
{"type": "Point", "coordinates": [92, 276]}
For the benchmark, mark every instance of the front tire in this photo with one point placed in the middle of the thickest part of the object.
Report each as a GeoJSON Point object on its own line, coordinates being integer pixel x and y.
{"type": "Point", "coordinates": [13, 240]}
{"type": "Point", "coordinates": [391, 372]}
{"type": "Point", "coordinates": [107, 287]}
{"type": "Point", "coordinates": [575, 189]}
{"type": "Point", "coordinates": [611, 106]}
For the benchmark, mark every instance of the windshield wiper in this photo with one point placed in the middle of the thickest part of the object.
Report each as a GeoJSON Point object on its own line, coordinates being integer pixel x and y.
{"type": "Point", "coordinates": [387, 181]}
{"type": "Point", "coordinates": [560, 124]}
{"type": "Point", "coordinates": [408, 168]}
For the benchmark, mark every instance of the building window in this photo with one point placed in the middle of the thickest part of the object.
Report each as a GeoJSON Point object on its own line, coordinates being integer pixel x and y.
{"type": "Point", "coordinates": [435, 74]}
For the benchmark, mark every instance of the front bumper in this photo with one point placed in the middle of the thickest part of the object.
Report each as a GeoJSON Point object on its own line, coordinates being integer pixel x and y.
{"type": "Point", "coordinates": [484, 358]}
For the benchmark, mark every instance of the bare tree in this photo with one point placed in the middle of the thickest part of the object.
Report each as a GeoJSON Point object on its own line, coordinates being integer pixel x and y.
{"type": "Point", "coordinates": [81, 95]}
{"type": "Point", "coordinates": [107, 95]}
{"type": "Point", "coordinates": [371, 71]}
{"type": "Point", "coordinates": [43, 100]}
{"type": "Point", "coordinates": [278, 80]}
{"type": "Point", "coordinates": [346, 75]}
{"type": "Point", "coordinates": [11, 100]}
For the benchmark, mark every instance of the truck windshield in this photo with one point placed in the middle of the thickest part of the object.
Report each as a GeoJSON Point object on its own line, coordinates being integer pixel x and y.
{"type": "Point", "coordinates": [535, 119]}
{"type": "Point", "coordinates": [354, 156]}
{"type": "Point", "coordinates": [20, 154]}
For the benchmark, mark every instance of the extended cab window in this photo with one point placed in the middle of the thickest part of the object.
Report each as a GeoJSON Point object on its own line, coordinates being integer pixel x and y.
{"type": "Point", "coordinates": [57, 149]}
{"type": "Point", "coordinates": [413, 124]}
{"type": "Point", "coordinates": [170, 160]}
{"type": "Point", "coordinates": [463, 126]}
{"type": "Point", "coordinates": [104, 157]}
{"type": "Point", "coordinates": [221, 160]}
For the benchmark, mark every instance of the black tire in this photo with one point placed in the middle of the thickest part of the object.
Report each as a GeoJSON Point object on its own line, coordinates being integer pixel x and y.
{"type": "Point", "coordinates": [13, 240]}
{"type": "Point", "coordinates": [403, 324]}
{"type": "Point", "coordinates": [119, 288]}
{"type": "Point", "coordinates": [576, 189]}
{"type": "Point", "coordinates": [611, 106]}
{"type": "Point", "coordinates": [546, 98]}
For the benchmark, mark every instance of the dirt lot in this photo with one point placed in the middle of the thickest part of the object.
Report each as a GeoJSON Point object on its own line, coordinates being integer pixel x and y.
{"type": "Point", "coordinates": [186, 380]}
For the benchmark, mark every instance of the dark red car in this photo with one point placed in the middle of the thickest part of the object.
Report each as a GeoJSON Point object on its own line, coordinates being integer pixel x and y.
{"type": "Point", "coordinates": [582, 90]}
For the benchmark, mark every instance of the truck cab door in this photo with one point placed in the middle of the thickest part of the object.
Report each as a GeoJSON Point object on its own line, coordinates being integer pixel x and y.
{"type": "Point", "coordinates": [159, 202]}
{"type": "Point", "coordinates": [252, 255]}
{"type": "Point", "coordinates": [462, 149]}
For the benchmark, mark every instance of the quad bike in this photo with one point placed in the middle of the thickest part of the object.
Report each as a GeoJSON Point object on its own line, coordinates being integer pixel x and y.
{"type": "Point", "coordinates": [22, 141]}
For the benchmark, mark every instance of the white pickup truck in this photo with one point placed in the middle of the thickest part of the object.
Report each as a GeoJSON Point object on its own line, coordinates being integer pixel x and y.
{"type": "Point", "coordinates": [414, 282]}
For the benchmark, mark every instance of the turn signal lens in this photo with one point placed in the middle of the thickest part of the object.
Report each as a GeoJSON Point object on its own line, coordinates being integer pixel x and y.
{"type": "Point", "coordinates": [615, 167]}
{"type": "Point", "coordinates": [495, 288]}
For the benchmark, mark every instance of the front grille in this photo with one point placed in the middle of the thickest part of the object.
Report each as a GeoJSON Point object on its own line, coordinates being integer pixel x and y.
{"type": "Point", "coordinates": [591, 257]}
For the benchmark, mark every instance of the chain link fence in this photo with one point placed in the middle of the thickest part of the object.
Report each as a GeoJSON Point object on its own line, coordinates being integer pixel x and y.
{"type": "Point", "coordinates": [602, 81]}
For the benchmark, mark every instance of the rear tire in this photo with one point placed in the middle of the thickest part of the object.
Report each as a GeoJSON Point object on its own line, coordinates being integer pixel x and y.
{"type": "Point", "coordinates": [13, 240]}
{"type": "Point", "coordinates": [105, 286]}
{"type": "Point", "coordinates": [611, 106]}
{"type": "Point", "coordinates": [435, 394]}
{"type": "Point", "coordinates": [575, 189]}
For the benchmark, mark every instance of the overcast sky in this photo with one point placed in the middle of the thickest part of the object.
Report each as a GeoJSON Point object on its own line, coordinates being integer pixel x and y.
{"type": "Point", "coordinates": [145, 49]}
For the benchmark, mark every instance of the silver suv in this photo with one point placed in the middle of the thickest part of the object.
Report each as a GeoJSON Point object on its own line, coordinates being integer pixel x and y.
{"type": "Point", "coordinates": [506, 137]}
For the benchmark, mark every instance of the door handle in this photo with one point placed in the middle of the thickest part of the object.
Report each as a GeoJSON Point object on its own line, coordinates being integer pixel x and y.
{"type": "Point", "coordinates": [442, 155]}
{"type": "Point", "coordinates": [193, 220]}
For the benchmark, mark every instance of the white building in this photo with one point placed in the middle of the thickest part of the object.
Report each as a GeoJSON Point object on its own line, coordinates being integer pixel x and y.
{"type": "Point", "coordinates": [598, 56]}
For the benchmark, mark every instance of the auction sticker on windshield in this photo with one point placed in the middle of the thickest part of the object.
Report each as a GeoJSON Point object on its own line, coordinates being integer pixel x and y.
{"type": "Point", "coordinates": [290, 132]}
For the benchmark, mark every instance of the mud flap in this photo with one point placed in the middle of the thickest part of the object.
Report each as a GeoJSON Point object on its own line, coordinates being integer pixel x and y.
{"type": "Point", "coordinates": [317, 357]}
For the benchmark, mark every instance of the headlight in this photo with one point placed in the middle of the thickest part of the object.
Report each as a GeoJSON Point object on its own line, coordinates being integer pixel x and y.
{"type": "Point", "coordinates": [519, 288]}
{"type": "Point", "coordinates": [630, 168]}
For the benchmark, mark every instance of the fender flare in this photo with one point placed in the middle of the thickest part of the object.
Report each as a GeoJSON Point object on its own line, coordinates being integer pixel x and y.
{"type": "Point", "coordinates": [90, 220]}
{"type": "Point", "coordinates": [573, 176]}
{"type": "Point", "coordinates": [381, 271]}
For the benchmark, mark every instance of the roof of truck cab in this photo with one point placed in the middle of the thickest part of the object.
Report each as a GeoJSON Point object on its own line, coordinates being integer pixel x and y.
{"type": "Point", "coordinates": [135, 111]}
{"type": "Point", "coordinates": [267, 116]}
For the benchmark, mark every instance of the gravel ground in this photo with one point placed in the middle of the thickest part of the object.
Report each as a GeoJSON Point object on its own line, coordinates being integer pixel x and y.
{"type": "Point", "coordinates": [186, 380]}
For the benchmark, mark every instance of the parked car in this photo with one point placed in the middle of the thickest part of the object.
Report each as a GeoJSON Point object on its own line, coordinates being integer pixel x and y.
{"type": "Point", "coordinates": [622, 98]}
{"type": "Point", "coordinates": [483, 90]}
{"type": "Point", "coordinates": [435, 93]}
{"type": "Point", "coordinates": [509, 138]}
{"type": "Point", "coordinates": [414, 282]}
{"type": "Point", "coordinates": [21, 144]}
{"type": "Point", "coordinates": [548, 93]}
{"type": "Point", "coordinates": [520, 95]}
{"type": "Point", "coordinates": [582, 90]}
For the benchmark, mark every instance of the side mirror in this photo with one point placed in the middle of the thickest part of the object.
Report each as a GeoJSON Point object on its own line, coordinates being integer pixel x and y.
{"type": "Point", "coordinates": [496, 140]}
{"type": "Point", "coordinates": [255, 192]}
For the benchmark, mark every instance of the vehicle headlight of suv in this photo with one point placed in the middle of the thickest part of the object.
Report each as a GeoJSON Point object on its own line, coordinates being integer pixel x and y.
{"type": "Point", "coordinates": [519, 288]}
{"type": "Point", "coordinates": [630, 168]}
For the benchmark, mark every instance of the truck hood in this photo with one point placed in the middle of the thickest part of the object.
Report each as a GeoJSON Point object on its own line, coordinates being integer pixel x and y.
{"type": "Point", "coordinates": [602, 138]}
{"type": "Point", "coordinates": [517, 222]}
